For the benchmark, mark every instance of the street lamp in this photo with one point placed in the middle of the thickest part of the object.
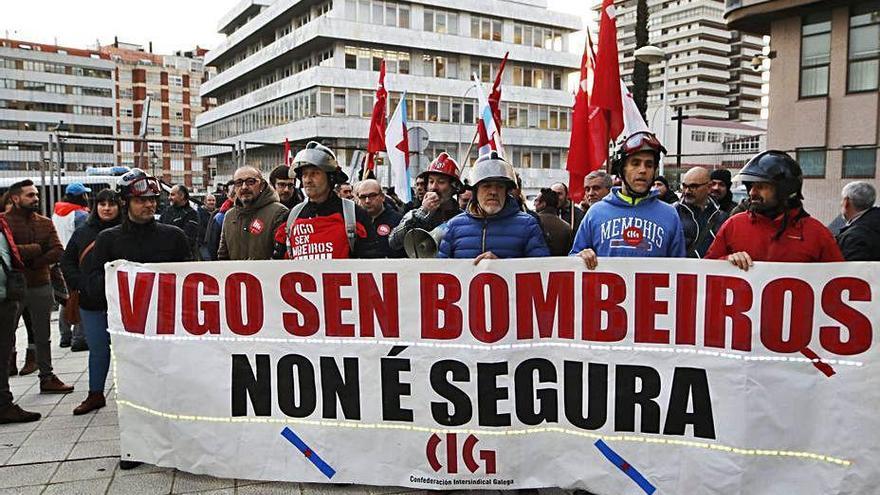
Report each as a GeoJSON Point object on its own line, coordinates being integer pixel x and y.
{"type": "Point", "coordinates": [649, 54]}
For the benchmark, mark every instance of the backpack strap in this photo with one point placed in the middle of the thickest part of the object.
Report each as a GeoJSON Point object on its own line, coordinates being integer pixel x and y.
{"type": "Point", "coordinates": [291, 219]}
{"type": "Point", "coordinates": [348, 213]}
{"type": "Point", "coordinates": [86, 251]}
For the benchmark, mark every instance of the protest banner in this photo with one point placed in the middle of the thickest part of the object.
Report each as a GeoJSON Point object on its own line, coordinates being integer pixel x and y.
{"type": "Point", "coordinates": [681, 376]}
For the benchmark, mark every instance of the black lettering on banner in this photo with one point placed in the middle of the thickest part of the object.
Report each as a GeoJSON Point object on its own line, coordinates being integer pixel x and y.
{"type": "Point", "coordinates": [346, 389]}
{"type": "Point", "coordinates": [690, 385]}
{"type": "Point", "coordinates": [459, 402]}
{"type": "Point", "coordinates": [526, 393]}
{"type": "Point", "coordinates": [489, 393]}
{"type": "Point", "coordinates": [626, 398]}
{"type": "Point", "coordinates": [393, 389]}
{"type": "Point", "coordinates": [302, 385]}
{"type": "Point", "coordinates": [597, 395]}
{"type": "Point", "coordinates": [246, 383]}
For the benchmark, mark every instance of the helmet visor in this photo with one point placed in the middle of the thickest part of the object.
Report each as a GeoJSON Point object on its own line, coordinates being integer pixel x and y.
{"type": "Point", "coordinates": [145, 186]}
{"type": "Point", "coordinates": [642, 141]}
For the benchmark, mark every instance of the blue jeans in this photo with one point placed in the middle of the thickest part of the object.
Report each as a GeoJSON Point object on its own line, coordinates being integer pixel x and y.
{"type": "Point", "coordinates": [94, 324]}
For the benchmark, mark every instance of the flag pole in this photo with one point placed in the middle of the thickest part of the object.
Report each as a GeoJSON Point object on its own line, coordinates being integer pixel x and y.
{"type": "Point", "coordinates": [470, 147]}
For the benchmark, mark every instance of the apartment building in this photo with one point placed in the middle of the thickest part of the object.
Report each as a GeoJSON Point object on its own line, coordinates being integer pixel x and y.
{"type": "Point", "coordinates": [44, 88]}
{"type": "Point", "coordinates": [710, 72]}
{"type": "Point", "coordinates": [304, 70]}
{"type": "Point", "coordinates": [171, 82]}
{"type": "Point", "coordinates": [824, 90]}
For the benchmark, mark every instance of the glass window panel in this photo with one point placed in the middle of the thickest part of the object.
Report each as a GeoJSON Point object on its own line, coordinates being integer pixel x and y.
{"type": "Point", "coordinates": [351, 10]}
{"type": "Point", "coordinates": [339, 102]}
{"type": "Point", "coordinates": [444, 109]}
{"type": "Point", "coordinates": [433, 111]}
{"type": "Point", "coordinates": [496, 30]}
{"type": "Point", "coordinates": [390, 14]}
{"type": "Point", "coordinates": [864, 42]}
{"type": "Point", "coordinates": [812, 162]}
{"type": "Point", "coordinates": [440, 67]}
{"type": "Point", "coordinates": [378, 14]}
{"type": "Point", "coordinates": [403, 65]}
{"type": "Point", "coordinates": [468, 113]}
{"type": "Point", "coordinates": [816, 50]}
{"type": "Point", "coordinates": [366, 104]}
{"type": "Point", "coordinates": [814, 82]}
{"type": "Point", "coordinates": [475, 27]}
{"type": "Point", "coordinates": [429, 20]}
{"type": "Point", "coordinates": [403, 17]}
{"type": "Point", "coordinates": [863, 75]}
{"type": "Point", "coordinates": [518, 34]}
{"type": "Point", "coordinates": [859, 163]}
{"type": "Point", "coordinates": [452, 68]}
{"type": "Point", "coordinates": [456, 112]}
{"type": "Point", "coordinates": [420, 110]}
{"type": "Point", "coordinates": [440, 27]}
{"type": "Point", "coordinates": [486, 29]}
{"type": "Point", "coordinates": [452, 23]}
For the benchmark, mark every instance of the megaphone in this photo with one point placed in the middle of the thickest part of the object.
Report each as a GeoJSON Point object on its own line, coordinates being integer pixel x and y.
{"type": "Point", "coordinates": [419, 243]}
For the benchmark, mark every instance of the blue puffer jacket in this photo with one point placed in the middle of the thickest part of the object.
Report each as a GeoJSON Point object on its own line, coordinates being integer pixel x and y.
{"type": "Point", "coordinates": [509, 234]}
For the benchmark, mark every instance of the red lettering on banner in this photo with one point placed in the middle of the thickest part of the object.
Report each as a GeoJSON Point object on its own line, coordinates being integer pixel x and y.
{"type": "Point", "coordinates": [800, 317]}
{"type": "Point", "coordinates": [648, 307]}
{"type": "Point", "coordinates": [686, 309]}
{"type": "Point", "coordinates": [857, 325]}
{"type": "Point", "coordinates": [533, 303]}
{"type": "Point", "coordinates": [134, 308]}
{"type": "Point", "coordinates": [293, 324]}
{"type": "Point", "coordinates": [200, 317]}
{"type": "Point", "coordinates": [253, 306]}
{"type": "Point", "coordinates": [499, 307]}
{"type": "Point", "coordinates": [594, 305]}
{"type": "Point", "coordinates": [718, 310]}
{"type": "Point", "coordinates": [434, 304]}
{"type": "Point", "coordinates": [383, 307]}
{"type": "Point", "coordinates": [166, 304]}
{"type": "Point", "coordinates": [335, 304]}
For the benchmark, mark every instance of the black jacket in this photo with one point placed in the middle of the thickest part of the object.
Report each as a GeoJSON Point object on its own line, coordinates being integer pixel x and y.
{"type": "Point", "coordinates": [384, 224]}
{"type": "Point", "coordinates": [153, 242]}
{"type": "Point", "coordinates": [186, 219]}
{"type": "Point", "coordinates": [695, 222]}
{"type": "Point", "coordinates": [75, 272]}
{"type": "Point", "coordinates": [565, 214]}
{"type": "Point", "coordinates": [860, 240]}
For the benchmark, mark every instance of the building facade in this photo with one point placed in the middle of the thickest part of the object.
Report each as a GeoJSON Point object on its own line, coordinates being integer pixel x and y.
{"type": "Point", "coordinates": [172, 84]}
{"type": "Point", "coordinates": [824, 90]}
{"type": "Point", "coordinates": [44, 88]}
{"type": "Point", "coordinates": [710, 72]}
{"type": "Point", "coordinates": [307, 70]}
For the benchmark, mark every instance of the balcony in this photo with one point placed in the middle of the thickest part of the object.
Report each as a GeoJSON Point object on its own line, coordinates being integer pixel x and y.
{"type": "Point", "coordinates": [755, 16]}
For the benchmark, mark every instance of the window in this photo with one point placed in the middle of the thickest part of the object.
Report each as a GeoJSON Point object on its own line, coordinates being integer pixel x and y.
{"type": "Point", "coordinates": [812, 162]}
{"type": "Point", "coordinates": [859, 163]}
{"type": "Point", "coordinates": [485, 28]}
{"type": "Point", "coordinates": [698, 136]}
{"type": "Point", "coordinates": [441, 21]}
{"type": "Point", "coordinates": [713, 137]}
{"type": "Point", "coordinates": [863, 66]}
{"type": "Point", "coordinates": [815, 54]}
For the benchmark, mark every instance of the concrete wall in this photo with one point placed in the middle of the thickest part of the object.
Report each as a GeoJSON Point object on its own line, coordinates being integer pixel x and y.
{"type": "Point", "coordinates": [833, 121]}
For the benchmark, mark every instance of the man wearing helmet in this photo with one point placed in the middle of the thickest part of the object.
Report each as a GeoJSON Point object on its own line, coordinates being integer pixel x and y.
{"type": "Point", "coordinates": [631, 221]}
{"type": "Point", "coordinates": [138, 238]}
{"type": "Point", "coordinates": [493, 225]}
{"type": "Point", "coordinates": [249, 227]}
{"type": "Point", "coordinates": [776, 227]}
{"type": "Point", "coordinates": [324, 226]}
{"type": "Point", "coordinates": [439, 203]}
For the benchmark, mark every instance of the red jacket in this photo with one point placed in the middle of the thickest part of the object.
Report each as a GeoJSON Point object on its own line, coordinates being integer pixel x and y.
{"type": "Point", "coordinates": [804, 240]}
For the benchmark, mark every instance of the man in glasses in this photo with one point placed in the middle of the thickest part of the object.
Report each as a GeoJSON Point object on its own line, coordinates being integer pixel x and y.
{"type": "Point", "coordinates": [285, 186]}
{"type": "Point", "coordinates": [631, 221]}
{"type": "Point", "coordinates": [249, 227]}
{"type": "Point", "coordinates": [370, 197]}
{"type": "Point", "coordinates": [701, 218]}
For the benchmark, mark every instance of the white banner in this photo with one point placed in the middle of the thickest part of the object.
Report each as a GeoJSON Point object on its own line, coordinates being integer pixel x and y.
{"type": "Point", "coordinates": [679, 376]}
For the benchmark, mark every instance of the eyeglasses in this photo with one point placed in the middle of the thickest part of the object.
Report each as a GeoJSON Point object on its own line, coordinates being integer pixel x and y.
{"type": "Point", "coordinates": [370, 196]}
{"type": "Point", "coordinates": [284, 185]}
{"type": "Point", "coordinates": [250, 182]}
{"type": "Point", "coordinates": [685, 186]}
{"type": "Point", "coordinates": [144, 186]}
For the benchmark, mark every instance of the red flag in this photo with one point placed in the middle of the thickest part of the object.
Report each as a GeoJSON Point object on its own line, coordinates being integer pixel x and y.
{"type": "Point", "coordinates": [376, 142]}
{"type": "Point", "coordinates": [484, 142]}
{"type": "Point", "coordinates": [579, 156]}
{"type": "Point", "coordinates": [287, 156]}
{"type": "Point", "coordinates": [606, 84]}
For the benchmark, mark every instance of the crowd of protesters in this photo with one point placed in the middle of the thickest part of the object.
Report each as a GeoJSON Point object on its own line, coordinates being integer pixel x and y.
{"type": "Point", "coordinates": [313, 210]}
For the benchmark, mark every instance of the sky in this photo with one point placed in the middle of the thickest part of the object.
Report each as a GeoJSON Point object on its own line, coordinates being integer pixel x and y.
{"type": "Point", "coordinates": [84, 23]}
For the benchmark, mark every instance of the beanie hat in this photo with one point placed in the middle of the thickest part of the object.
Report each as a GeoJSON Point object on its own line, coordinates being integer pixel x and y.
{"type": "Point", "coordinates": [723, 175]}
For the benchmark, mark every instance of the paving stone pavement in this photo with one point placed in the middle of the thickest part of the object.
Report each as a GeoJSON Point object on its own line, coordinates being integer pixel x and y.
{"type": "Point", "coordinates": [66, 454]}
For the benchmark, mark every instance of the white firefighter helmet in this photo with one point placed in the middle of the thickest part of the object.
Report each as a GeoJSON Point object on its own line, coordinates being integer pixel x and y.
{"type": "Point", "coordinates": [492, 167]}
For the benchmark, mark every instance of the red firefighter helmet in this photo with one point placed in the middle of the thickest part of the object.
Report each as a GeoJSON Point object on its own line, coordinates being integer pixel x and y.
{"type": "Point", "coordinates": [444, 165]}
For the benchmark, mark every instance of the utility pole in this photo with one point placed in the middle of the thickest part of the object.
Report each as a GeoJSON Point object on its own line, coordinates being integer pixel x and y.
{"type": "Point", "coordinates": [679, 118]}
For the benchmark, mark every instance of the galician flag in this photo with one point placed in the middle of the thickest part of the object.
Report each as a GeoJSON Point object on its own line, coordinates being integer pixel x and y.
{"type": "Point", "coordinates": [397, 149]}
{"type": "Point", "coordinates": [632, 118]}
{"type": "Point", "coordinates": [486, 123]}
